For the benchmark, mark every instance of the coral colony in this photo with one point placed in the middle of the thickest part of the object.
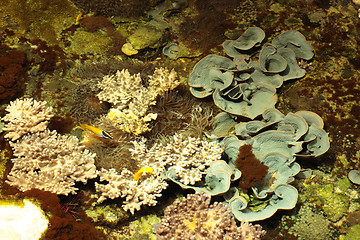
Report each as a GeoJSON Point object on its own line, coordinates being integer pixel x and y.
{"type": "Point", "coordinates": [239, 161]}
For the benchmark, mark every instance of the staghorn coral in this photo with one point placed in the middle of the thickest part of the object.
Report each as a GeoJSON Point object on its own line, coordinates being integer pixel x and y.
{"type": "Point", "coordinates": [131, 99]}
{"type": "Point", "coordinates": [193, 218]}
{"type": "Point", "coordinates": [189, 157]}
{"type": "Point", "coordinates": [51, 162]}
{"type": "Point", "coordinates": [26, 116]}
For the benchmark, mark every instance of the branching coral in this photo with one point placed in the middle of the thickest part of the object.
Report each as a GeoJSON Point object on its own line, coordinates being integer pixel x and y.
{"type": "Point", "coordinates": [193, 218]}
{"type": "Point", "coordinates": [131, 99]}
{"type": "Point", "coordinates": [26, 116]}
{"type": "Point", "coordinates": [51, 162]}
{"type": "Point", "coordinates": [136, 193]}
{"type": "Point", "coordinates": [189, 157]}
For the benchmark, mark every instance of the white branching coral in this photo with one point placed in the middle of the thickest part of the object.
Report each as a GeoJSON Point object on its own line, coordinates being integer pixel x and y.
{"type": "Point", "coordinates": [189, 157]}
{"type": "Point", "coordinates": [131, 99]}
{"type": "Point", "coordinates": [51, 162]}
{"type": "Point", "coordinates": [26, 116]}
{"type": "Point", "coordinates": [136, 193]}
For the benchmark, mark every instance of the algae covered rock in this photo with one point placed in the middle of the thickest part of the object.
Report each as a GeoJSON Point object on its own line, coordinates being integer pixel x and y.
{"type": "Point", "coordinates": [146, 36]}
{"type": "Point", "coordinates": [352, 234]}
{"type": "Point", "coordinates": [328, 193]}
{"type": "Point", "coordinates": [108, 214]}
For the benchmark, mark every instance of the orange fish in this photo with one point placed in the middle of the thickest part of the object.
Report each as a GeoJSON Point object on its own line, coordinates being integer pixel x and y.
{"type": "Point", "coordinates": [97, 131]}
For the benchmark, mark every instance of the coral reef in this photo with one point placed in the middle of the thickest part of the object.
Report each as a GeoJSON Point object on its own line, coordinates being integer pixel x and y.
{"type": "Point", "coordinates": [140, 229]}
{"type": "Point", "coordinates": [354, 176]}
{"type": "Point", "coordinates": [26, 116]}
{"type": "Point", "coordinates": [52, 40]}
{"type": "Point", "coordinates": [193, 218]}
{"type": "Point", "coordinates": [328, 193]}
{"type": "Point", "coordinates": [178, 112]}
{"type": "Point", "coordinates": [352, 234]}
{"type": "Point", "coordinates": [23, 18]}
{"type": "Point", "coordinates": [51, 162]}
{"type": "Point", "coordinates": [187, 157]}
{"type": "Point", "coordinates": [125, 9]}
{"type": "Point", "coordinates": [275, 141]}
{"type": "Point", "coordinates": [272, 145]}
{"type": "Point", "coordinates": [131, 99]}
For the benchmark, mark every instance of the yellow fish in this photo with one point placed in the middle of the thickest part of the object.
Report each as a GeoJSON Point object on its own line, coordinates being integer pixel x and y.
{"type": "Point", "coordinates": [138, 174]}
{"type": "Point", "coordinates": [97, 131]}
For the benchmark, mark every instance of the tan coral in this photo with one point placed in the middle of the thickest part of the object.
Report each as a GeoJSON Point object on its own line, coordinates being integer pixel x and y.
{"type": "Point", "coordinates": [26, 116]}
{"type": "Point", "coordinates": [51, 162]}
{"type": "Point", "coordinates": [130, 122]}
{"type": "Point", "coordinates": [189, 157]}
{"type": "Point", "coordinates": [193, 218]}
{"type": "Point", "coordinates": [136, 193]}
{"type": "Point", "coordinates": [131, 100]}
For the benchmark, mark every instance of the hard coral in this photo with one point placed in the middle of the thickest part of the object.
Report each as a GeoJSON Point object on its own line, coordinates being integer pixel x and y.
{"type": "Point", "coordinates": [136, 193]}
{"type": "Point", "coordinates": [26, 116]}
{"type": "Point", "coordinates": [193, 218]}
{"type": "Point", "coordinates": [188, 157]}
{"type": "Point", "coordinates": [51, 162]}
{"type": "Point", "coordinates": [131, 99]}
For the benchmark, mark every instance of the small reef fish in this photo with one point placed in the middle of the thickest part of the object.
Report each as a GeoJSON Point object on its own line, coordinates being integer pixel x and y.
{"type": "Point", "coordinates": [97, 131]}
{"type": "Point", "coordinates": [139, 173]}
{"type": "Point", "coordinates": [78, 18]}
